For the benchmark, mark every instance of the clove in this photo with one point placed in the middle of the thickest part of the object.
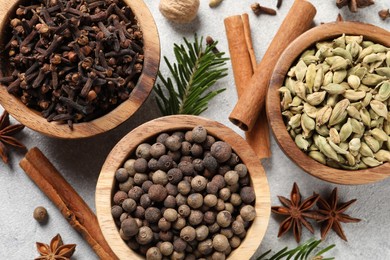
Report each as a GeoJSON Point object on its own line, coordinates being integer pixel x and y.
{"type": "Point", "coordinates": [258, 9]}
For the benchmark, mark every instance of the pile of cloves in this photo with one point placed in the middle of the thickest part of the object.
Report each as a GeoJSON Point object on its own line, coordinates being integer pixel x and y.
{"type": "Point", "coordinates": [73, 60]}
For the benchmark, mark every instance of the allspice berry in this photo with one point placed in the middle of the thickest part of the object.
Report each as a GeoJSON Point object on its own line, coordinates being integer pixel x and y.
{"type": "Point", "coordinates": [184, 187]}
{"type": "Point", "coordinates": [196, 150]}
{"type": "Point", "coordinates": [220, 243]}
{"type": "Point", "coordinates": [141, 165]}
{"type": "Point", "coordinates": [170, 202]}
{"type": "Point", "coordinates": [179, 245]}
{"type": "Point", "coordinates": [143, 151]}
{"type": "Point", "coordinates": [160, 177]}
{"type": "Point", "coordinates": [248, 213]}
{"type": "Point", "coordinates": [210, 140]}
{"type": "Point", "coordinates": [247, 194]}
{"type": "Point", "coordinates": [157, 150]}
{"type": "Point", "coordinates": [199, 134]}
{"type": "Point", "coordinates": [153, 253]}
{"type": "Point", "coordinates": [199, 183]}
{"type": "Point", "coordinates": [198, 164]}
{"type": "Point", "coordinates": [164, 224]}
{"type": "Point", "coordinates": [221, 151]}
{"type": "Point", "coordinates": [202, 232]}
{"type": "Point", "coordinates": [140, 178]}
{"type": "Point", "coordinates": [166, 248]}
{"type": "Point", "coordinates": [40, 214]}
{"type": "Point", "coordinates": [129, 166]}
{"type": "Point", "coordinates": [185, 148]}
{"type": "Point", "coordinates": [210, 163]}
{"type": "Point", "coordinates": [235, 199]}
{"type": "Point", "coordinates": [129, 227]}
{"type": "Point", "coordinates": [219, 180]}
{"type": "Point", "coordinates": [179, 223]}
{"type": "Point", "coordinates": [121, 175]}
{"type": "Point", "coordinates": [127, 185]}
{"type": "Point", "coordinates": [218, 256]}
{"type": "Point", "coordinates": [129, 205]}
{"type": "Point", "coordinates": [210, 200]}
{"type": "Point", "coordinates": [187, 168]}
{"type": "Point", "coordinates": [119, 197]}
{"type": "Point", "coordinates": [173, 143]}
{"type": "Point", "coordinates": [144, 236]}
{"type": "Point", "coordinates": [174, 175]}
{"type": "Point", "coordinates": [135, 193]}
{"type": "Point", "coordinates": [235, 242]}
{"type": "Point", "coordinates": [238, 227]}
{"type": "Point", "coordinates": [205, 247]}
{"type": "Point", "coordinates": [184, 211]}
{"type": "Point", "coordinates": [195, 200]}
{"type": "Point", "coordinates": [195, 217]}
{"type": "Point", "coordinates": [162, 137]}
{"type": "Point", "coordinates": [209, 217]}
{"type": "Point", "coordinates": [170, 215]}
{"type": "Point", "coordinates": [152, 214]}
{"type": "Point", "coordinates": [153, 164]}
{"type": "Point", "coordinates": [157, 193]}
{"type": "Point", "coordinates": [188, 233]}
{"type": "Point", "coordinates": [241, 170]}
{"type": "Point", "coordinates": [224, 194]}
{"type": "Point", "coordinates": [224, 218]}
{"type": "Point", "coordinates": [116, 211]}
{"type": "Point", "coordinates": [165, 163]}
{"type": "Point", "coordinates": [231, 177]}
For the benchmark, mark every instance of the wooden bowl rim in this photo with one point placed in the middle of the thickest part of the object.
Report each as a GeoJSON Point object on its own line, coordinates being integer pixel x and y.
{"type": "Point", "coordinates": [32, 118]}
{"type": "Point", "coordinates": [152, 128]}
{"type": "Point", "coordinates": [286, 143]}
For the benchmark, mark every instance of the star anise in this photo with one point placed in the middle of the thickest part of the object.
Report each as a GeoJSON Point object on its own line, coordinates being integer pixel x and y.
{"type": "Point", "coordinates": [6, 132]}
{"type": "Point", "coordinates": [297, 213]}
{"type": "Point", "coordinates": [354, 4]}
{"type": "Point", "coordinates": [56, 251]}
{"type": "Point", "coordinates": [333, 214]}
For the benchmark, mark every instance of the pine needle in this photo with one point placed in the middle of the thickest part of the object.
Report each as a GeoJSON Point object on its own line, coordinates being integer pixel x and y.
{"type": "Point", "coordinates": [197, 68]}
{"type": "Point", "coordinates": [307, 251]}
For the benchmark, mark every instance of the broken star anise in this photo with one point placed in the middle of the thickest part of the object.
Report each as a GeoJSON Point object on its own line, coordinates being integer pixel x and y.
{"type": "Point", "coordinates": [6, 132]}
{"type": "Point", "coordinates": [297, 213]}
{"type": "Point", "coordinates": [56, 250]}
{"type": "Point", "coordinates": [333, 214]}
{"type": "Point", "coordinates": [354, 4]}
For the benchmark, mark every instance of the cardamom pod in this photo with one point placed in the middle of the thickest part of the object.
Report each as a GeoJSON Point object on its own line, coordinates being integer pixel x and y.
{"type": "Point", "coordinates": [318, 156]}
{"type": "Point", "coordinates": [308, 52]}
{"type": "Point", "coordinates": [354, 48]}
{"type": "Point", "coordinates": [335, 147]}
{"type": "Point", "coordinates": [342, 53]}
{"type": "Point", "coordinates": [215, 3]}
{"type": "Point", "coordinates": [354, 81]}
{"type": "Point", "coordinates": [376, 48]}
{"type": "Point", "coordinates": [290, 84]}
{"type": "Point", "coordinates": [379, 108]}
{"type": "Point", "coordinates": [328, 78]}
{"type": "Point", "coordinates": [383, 92]}
{"type": "Point", "coordinates": [366, 51]}
{"type": "Point", "coordinates": [375, 57]}
{"type": "Point", "coordinates": [357, 127]}
{"type": "Point", "coordinates": [365, 116]}
{"type": "Point", "coordinates": [339, 76]}
{"type": "Point", "coordinates": [378, 123]}
{"type": "Point", "coordinates": [345, 131]}
{"type": "Point", "coordinates": [300, 89]}
{"type": "Point", "coordinates": [296, 102]}
{"type": "Point", "coordinates": [322, 130]}
{"type": "Point", "coordinates": [361, 165]}
{"type": "Point", "coordinates": [310, 110]}
{"type": "Point", "coordinates": [354, 95]}
{"type": "Point", "coordinates": [372, 79]}
{"type": "Point", "coordinates": [334, 89]}
{"type": "Point", "coordinates": [309, 59]}
{"type": "Point", "coordinates": [308, 124]}
{"type": "Point", "coordinates": [379, 134]}
{"type": "Point", "coordinates": [373, 115]}
{"type": "Point", "coordinates": [350, 39]}
{"type": "Point", "coordinates": [326, 149]}
{"type": "Point", "coordinates": [316, 98]}
{"type": "Point", "coordinates": [361, 72]}
{"type": "Point", "coordinates": [287, 114]}
{"type": "Point", "coordinates": [286, 101]}
{"type": "Point", "coordinates": [318, 79]}
{"type": "Point", "coordinates": [313, 147]}
{"type": "Point", "coordinates": [310, 77]}
{"type": "Point", "coordinates": [386, 127]}
{"type": "Point", "coordinates": [353, 112]}
{"type": "Point", "coordinates": [332, 100]}
{"type": "Point", "coordinates": [333, 164]}
{"type": "Point", "coordinates": [339, 112]}
{"type": "Point", "coordinates": [301, 142]}
{"type": "Point", "coordinates": [372, 143]}
{"type": "Point", "coordinates": [383, 156]}
{"type": "Point", "coordinates": [339, 42]}
{"type": "Point", "coordinates": [388, 59]}
{"type": "Point", "coordinates": [367, 99]}
{"type": "Point", "coordinates": [323, 115]}
{"type": "Point", "coordinates": [351, 159]}
{"type": "Point", "coordinates": [372, 162]}
{"type": "Point", "coordinates": [365, 150]}
{"type": "Point", "coordinates": [383, 71]}
{"type": "Point", "coordinates": [295, 121]}
{"type": "Point", "coordinates": [334, 136]}
{"type": "Point", "coordinates": [340, 64]}
{"type": "Point", "coordinates": [300, 70]}
{"type": "Point", "coordinates": [354, 145]}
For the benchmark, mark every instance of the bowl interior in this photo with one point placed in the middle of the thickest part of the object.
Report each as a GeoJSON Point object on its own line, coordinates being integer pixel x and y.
{"type": "Point", "coordinates": [306, 40]}
{"type": "Point", "coordinates": [128, 144]}
{"type": "Point", "coordinates": [32, 118]}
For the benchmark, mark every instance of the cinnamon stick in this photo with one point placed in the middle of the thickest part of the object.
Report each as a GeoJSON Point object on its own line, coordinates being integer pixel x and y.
{"type": "Point", "coordinates": [243, 60]}
{"type": "Point", "coordinates": [251, 103]}
{"type": "Point", "coordinates": [71, 205]}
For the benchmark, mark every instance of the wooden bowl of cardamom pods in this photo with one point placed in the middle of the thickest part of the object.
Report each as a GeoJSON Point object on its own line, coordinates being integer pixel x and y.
{"type": "Point", "coordinates": [126, 149]}
{"type": "Point", "coordinates": [328, 102]}
{"type": "Point", "coordinates": [87, 69]}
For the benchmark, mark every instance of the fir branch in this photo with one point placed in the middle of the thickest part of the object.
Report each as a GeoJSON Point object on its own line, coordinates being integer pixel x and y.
{"type": "Point", "coordinates": [197, 68]}
{"type": "Point", "coordinates": [307, 251]}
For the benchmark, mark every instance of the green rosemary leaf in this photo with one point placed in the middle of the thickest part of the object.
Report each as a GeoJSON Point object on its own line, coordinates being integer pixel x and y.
{"type": "Point", "coordinates": [306, 251]}
{"type": "Point", "coordinates": [196, 70]}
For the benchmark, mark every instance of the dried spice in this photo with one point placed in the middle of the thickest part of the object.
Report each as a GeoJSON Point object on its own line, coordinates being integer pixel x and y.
{"type": "Point", "coordinates": [6, 132]}
{"type": "Point", "coordinates": [258, 9]}
{"type": "Point", "coordinates": [333, 214]}
{"type": "Point", "coordinates": [384, 14]}
{"type": "Point", "coordinates": [297, 213]}
{"type": "Point", "coordinates": [73, 61]}
{"type": "Point", "coordinates": [353, 5]}
{"type": "Point", "coordinates": [56, 249]}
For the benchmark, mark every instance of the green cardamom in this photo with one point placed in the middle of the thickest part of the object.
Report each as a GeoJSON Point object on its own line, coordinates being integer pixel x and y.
{"type": "Point", "coordinates": [318, 156]}
{"type": "Point", "coordinates": [379, 108]}
{"type": "Point", "coordinates": [372, 162]}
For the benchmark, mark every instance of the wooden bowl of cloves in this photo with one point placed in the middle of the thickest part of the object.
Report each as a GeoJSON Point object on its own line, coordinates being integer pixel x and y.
{"type": "Point", "coordinates": [328, 102]}
{"type": "Point", "coordinates": [72, 69]}
{"type": "Point", "coordinates": [171, 137]}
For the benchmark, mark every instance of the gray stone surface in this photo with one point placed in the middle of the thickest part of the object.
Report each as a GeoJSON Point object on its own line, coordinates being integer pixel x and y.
{"type": "Point", "coordinates": [80, 161]}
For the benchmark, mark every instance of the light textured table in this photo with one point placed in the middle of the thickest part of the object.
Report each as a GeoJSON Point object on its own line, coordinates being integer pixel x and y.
{"type": "Point", "coordinates": [80, 161]}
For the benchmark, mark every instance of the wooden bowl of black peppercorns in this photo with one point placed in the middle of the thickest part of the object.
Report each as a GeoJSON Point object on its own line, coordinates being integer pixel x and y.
{"type": "Point", "coordinates": [72, 69]}
{"type": "Point", "coordinates": [182, 186]}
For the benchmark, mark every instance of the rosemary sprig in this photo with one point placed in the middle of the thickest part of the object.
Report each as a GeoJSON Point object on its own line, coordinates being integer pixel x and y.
{"type": "Point", "coordinates": [307, 251]}
{"type": "Point", "coordinates": [196, 69]}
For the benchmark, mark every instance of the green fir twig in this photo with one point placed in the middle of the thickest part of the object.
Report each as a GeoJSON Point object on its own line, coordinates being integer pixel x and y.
{"type": "Point", "coordinates": [307, 251]}
{"type": "Point", "coordinates": [196, 69]}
